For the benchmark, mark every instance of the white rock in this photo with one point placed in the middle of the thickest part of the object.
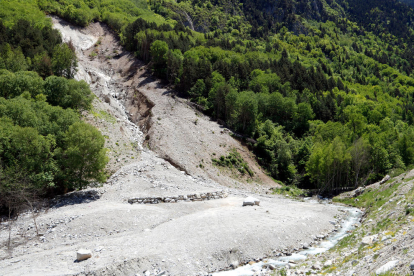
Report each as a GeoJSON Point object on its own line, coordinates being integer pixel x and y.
{"type": "Point", "coordinates": [317, 266]}
{"type": "Point", "coordinates": [83, 254]}
{"type": "Point", "coordinates": [387, 267]}
{"type": "Point", "coordinates": [328, 263]}
{"type": "Point", "coordinates": [250, 201]}
{"type": "Point", "coordinates": [368, 240]}
{"type": "Point", "coordinates": [385, 179]}
{"type": "Point", "coordinates": [235, 264]}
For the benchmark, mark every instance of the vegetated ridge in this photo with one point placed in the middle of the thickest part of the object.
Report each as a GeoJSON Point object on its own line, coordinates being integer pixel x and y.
{"type": "Point", "coordinates": [323, 88]}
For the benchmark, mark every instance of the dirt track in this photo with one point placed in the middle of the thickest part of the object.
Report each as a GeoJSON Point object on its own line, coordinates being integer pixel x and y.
{"type": "Point", "coordinates": [185, 238]}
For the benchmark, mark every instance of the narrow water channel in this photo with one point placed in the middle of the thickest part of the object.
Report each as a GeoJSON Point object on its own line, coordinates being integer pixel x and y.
{"type": "Point", "coordinates": [353, 217]}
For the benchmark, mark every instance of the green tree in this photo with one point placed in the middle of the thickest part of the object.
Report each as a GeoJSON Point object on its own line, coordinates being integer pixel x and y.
{"type": "Point", "coordinates": [198, 89]}
{"type": "Point", "coordinates": [84, 156]}
{"type": "Point", "coordinates": [158, 52]}
{"type": "Point", "coordinates": [64, 61]}
{"type": "Point", "coordinates": [246, 107]}
{"type": "Point", "coordinates": [174, 65]}
{"type": "Point", "coordinates": [302, 117]}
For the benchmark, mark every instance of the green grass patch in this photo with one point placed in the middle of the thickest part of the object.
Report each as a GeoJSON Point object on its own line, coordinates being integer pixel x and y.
{"type": "Point", "coordinates": [372, 199]}
{"type": "Point", "coordinates": [289, 190]}
{"type": "Point", "coordinates": [101, 114]}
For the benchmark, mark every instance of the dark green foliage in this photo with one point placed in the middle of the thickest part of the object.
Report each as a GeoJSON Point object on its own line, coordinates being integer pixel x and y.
{"type": "Point", "coordinates": [59, 91]}
{"type": "Point", "coordinates": [323, 89]}
{"type": "Point", "coordinates": [24, 46]}
{"type": "Point", "coordinates": [328, 102]}
{"type": "Point", "coordinates": [233, 160]}
{"type": "Point", "coordinates": [68, 93]}
{"type": "Point", "coordinates": [44, 146]}
{"type": "Point", "coordinates": [83, 157]}
{"type": "Point", "coordinates": [158, 52]}
{"type": "Point", "coordinates": [64, 61]}
{"type": "Point", "coordinates": [38, 139]}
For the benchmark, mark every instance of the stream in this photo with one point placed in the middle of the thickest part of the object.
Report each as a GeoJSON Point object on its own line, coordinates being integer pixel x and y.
{"type": "Point", "coordinates": [353, 217]}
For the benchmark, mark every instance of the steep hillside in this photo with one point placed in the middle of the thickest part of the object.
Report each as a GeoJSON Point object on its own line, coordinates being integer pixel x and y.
{"type": "Point", "coordinates": [321, 90]}
{"type": "Point", "coordinates": [296, 76]}
{"type": "Point", "coordinates": [382, 244]}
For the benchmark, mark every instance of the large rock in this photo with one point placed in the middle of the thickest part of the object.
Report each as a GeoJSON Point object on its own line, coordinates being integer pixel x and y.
{"type": "Point", "coordinates": [328, 263]}
{"type": "Point", "coordinates": [368, 240]}
{"type": "Point", "coordinates": [385, 179]}
{"type": "Point", "coordinates": [387, 267]}
{"type": "Point", "coordinates": [250, 201]}
{"type": "Point", "coordinates": [317, 266]}
{"type": "Point", "coordinates": [358, 191]}
{"type": "Point", "coordinates": [83, 254]}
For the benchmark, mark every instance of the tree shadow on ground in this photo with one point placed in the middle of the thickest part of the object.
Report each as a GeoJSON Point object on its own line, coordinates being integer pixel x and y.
{"type": "Point", "coordinates": [73, 198]}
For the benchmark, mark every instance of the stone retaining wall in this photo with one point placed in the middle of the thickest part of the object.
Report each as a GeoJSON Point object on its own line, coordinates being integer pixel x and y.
{"type": "Point", "coordinates": [173, 199]}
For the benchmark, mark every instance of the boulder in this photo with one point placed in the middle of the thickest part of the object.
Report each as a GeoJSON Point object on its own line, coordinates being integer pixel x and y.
{"type": "Point", "coordinates": [368, 240]}
{"type": "Point", "coordinates": [387, 267]}
{"type": "Point", "coordinates": [250, 201]}
{"type": "Point", "coordinates": [359, 191]}
{"type": "Point", "coordinates": [412, 265]}
{"type": "Point", "coordinates": [271, 267]}
{"type": "Point", "coordinates": [235, 264]}
{"type": "Point", "coordinates": [385, 179]}
{"type": "Point", "coordinates": [317, 266]}
{"type": "Point", "coordinates": [83, 254]}
{"type": "Point", "coordinates": [328, 263]}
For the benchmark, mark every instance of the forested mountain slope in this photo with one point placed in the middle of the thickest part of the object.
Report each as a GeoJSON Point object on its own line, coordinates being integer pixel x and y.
{"type": "Point", "coordinates": [324, 87]}
{"type": "Point", "coordinates": [45, 148]}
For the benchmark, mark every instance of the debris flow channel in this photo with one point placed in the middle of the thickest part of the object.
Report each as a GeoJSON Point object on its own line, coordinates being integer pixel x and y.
{"type": "Point", "coordinates": [353, 217]}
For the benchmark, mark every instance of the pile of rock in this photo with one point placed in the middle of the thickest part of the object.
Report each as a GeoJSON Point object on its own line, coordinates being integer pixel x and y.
{"type": "Point", "coordinates": [179, 198]}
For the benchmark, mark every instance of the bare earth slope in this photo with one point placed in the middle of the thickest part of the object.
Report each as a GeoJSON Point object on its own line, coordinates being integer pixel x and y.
{"type": "Point", "coordinates": [184, 238]}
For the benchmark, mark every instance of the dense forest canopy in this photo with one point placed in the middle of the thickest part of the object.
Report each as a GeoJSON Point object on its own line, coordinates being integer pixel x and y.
{"type": "Point", "coordinates": [324, 88]}
{"type": "Point", "coordinates": [45, 148]}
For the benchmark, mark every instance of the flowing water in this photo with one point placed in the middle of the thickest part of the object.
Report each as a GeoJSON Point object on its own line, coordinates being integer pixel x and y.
{"type": "Point", "coordinates": [353, 218]}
